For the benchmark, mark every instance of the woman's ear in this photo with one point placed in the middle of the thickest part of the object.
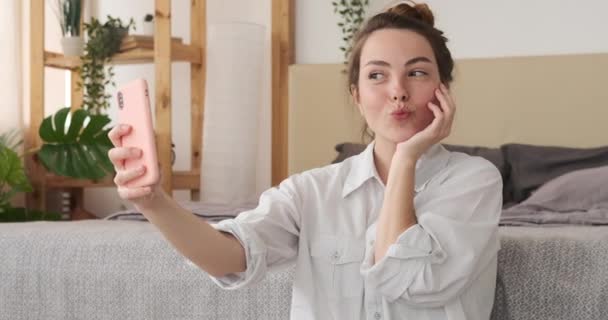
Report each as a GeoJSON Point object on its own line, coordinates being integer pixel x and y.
{"type": "Point", "coordinates": [354, 93]}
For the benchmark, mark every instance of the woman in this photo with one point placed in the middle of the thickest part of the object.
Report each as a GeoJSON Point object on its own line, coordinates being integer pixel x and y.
{"type": "Point", "coordinates": [405, 230]}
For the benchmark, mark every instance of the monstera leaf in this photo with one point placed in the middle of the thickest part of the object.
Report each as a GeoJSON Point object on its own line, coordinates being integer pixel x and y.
{"type": "Point", "coordinates": [74, 149]}
{"type": "Point", "coordinates": [12, 175]}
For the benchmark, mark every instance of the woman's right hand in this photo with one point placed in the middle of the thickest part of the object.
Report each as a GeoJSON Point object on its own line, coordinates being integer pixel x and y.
{"type": "Point", "coordinates": [117, 155]}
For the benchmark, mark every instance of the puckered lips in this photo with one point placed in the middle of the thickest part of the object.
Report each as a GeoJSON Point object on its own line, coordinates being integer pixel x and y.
{"type": "Point", "coordinates": [400, 114]}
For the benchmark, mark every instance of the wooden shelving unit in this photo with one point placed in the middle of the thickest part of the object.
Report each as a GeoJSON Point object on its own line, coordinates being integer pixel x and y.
{"type": "Point", "coordinates": [179, 52]}
{"type": "Point", "coordinates": [164, 51]}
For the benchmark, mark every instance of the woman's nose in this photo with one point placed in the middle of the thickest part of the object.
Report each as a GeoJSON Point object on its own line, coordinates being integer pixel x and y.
{"type": "Point", "coordinates": [399, 92]}
{"type": "Point", "coordinates": [399, 97]}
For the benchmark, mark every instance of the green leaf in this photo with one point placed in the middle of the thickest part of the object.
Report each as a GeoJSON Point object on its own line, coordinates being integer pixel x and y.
{"type": "Point", "coordinates": [12, 172]}
{"type": "Point", "coordinates": [46, 130]}
{"type": "Point", "coordinates": [82, 152]}
{"type": "Point", "coordinates": [76, 123]}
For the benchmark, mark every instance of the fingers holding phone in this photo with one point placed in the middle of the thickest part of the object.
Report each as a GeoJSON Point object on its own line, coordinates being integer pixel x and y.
{"type": "Point", "coordinates": [134, 112]}
{"type": "Point", "coordinates": [118, 156]}
{"type": "Point", "coordinates": [135, 158]}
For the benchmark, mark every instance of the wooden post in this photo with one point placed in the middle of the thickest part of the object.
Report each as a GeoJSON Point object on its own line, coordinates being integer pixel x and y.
{"type": "Point", "coordinates": [282, 57]}
{"type": "Point", "coordinates": [76, 94]}
{"type": "Point", "coordinates": [198, 38]}
{"type": "Point", "coordinates": [162, 64]}
{"type": "Point", "coordinates": [37, 198]}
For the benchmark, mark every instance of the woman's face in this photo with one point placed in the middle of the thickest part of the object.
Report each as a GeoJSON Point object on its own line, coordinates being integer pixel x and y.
{"type": "Point", "coordinates": [398, 77]}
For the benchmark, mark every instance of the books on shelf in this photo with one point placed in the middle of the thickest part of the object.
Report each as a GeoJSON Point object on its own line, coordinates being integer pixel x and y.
{"type": "Point", "coordinates": [141, 42]}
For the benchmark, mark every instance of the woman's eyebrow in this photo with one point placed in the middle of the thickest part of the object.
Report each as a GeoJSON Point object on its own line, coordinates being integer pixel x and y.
{"type": "Point", "coordinates": [408, 63]}
{"type": "Point", "coordinates": [378, 63]}
{"type": "Point", "coordinates": [418, 59]}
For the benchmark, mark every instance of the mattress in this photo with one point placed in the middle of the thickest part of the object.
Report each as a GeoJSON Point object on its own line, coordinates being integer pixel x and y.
{"type": "Point", "coordinates": [126, 270]}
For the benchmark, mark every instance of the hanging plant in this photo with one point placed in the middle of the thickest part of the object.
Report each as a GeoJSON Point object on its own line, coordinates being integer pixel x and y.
{"type": "Point", "coordinates": [103, 42]}
{"type": "Point", "coordinates": [77, 146]}
{"type": "Point", "coordinates": [351, 17]}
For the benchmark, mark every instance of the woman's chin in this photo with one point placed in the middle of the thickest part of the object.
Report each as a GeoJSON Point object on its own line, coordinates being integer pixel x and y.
{"type": "Point", "coordinates": [399, 137]}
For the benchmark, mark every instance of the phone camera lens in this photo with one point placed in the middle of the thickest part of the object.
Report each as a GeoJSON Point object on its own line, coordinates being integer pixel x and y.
{"type": "Point", "coordinates": [120, 100]}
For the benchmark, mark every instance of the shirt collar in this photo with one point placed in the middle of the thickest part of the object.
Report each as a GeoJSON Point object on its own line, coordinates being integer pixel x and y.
{"type": "Point", "coordinates": [363, 168]}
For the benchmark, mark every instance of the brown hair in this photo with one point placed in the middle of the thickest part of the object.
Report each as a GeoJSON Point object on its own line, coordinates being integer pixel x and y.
{"type": "Point", "coordinates": [414, 17]}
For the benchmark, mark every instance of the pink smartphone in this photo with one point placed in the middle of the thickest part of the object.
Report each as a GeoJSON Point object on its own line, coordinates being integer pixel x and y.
{"type": "Point", "coordinates": [134, 110]}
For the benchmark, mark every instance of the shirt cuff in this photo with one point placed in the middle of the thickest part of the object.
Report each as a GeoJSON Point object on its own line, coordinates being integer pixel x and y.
{"type": "Point", "coordinates": [255, 255]}
{"type": "Point", "coordinates": [394, 273]}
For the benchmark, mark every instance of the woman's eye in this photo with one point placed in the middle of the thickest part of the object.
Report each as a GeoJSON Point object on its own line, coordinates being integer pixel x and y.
{"type": "Point", "coordinates": [418, 73]}
{"type": "Point", "coordinates": [375, 76]}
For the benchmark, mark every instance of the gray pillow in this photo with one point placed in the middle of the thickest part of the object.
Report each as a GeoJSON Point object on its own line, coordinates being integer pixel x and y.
{"type": "Point", "coordinates": [578, 197]}
{"type": "Point", "coordinates": [531, 166]}
{"type": "Point", "coordinates": [578, 190]}
{"type": "Point", "coordinates": [348, 149]}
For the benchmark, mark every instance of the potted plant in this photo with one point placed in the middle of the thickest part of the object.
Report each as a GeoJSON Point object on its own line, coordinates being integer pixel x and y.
{"type": "Point", "coordinates": [68, 13]}
{"type": "Point", "coordinates": [103, 42]}
{"type": "Point", "coordinates": [148, 25]}
{"type": "Point", "coordinates": [352, 14]}
{"type": "Point", "coordinates": [14, 180]}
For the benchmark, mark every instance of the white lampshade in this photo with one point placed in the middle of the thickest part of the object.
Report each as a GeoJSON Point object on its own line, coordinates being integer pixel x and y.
{"type": "Point", "coordinates": [232, 98]}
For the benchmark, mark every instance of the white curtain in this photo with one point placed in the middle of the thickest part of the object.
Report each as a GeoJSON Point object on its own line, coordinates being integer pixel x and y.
{"type": "Point", "coordinates": [11, 72]}
{"type": "Point", "coordinates": [10, 65]}
{"type": "Point", "coordinates": [232, 99]}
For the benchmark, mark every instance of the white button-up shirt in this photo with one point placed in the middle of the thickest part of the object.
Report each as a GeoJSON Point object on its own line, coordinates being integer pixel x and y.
{"type": "Point", "coordinates": [324, 219]}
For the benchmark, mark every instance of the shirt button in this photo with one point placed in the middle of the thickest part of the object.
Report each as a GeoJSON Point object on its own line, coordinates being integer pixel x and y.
{"type": "Point", "coordinates": [335, 256]}
{"type": "Point", "coordinates": [438, 254]}
{"type": "Point", "coordinates": [377, 315]}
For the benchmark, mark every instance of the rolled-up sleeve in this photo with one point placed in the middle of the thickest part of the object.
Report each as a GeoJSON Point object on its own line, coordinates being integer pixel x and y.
{"type": "Point", "coordinates": [456, 237]}
{"type": "Point", "coordinates": [269, 234]}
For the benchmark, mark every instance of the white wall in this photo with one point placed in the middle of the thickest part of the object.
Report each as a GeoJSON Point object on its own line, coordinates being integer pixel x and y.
{"type": "Point", "coordinates": [105, 201]}
{"type": "Point", "coordinates": [476, 28]}
{"type": "Point", "coordinates": [54, 79]}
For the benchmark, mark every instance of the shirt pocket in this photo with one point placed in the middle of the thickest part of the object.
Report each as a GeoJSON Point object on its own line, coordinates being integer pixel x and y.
{"type": "Point", "coordinates": [337, 262]}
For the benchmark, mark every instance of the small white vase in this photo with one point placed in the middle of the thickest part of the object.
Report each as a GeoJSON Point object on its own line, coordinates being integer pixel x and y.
{"type": "Point", "coordinates": [148, 28]}
{"type": "Point", "coordinates": [72, 46]}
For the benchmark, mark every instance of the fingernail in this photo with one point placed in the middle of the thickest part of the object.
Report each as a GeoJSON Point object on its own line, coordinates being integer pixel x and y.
{"type": "Point", "coordinates": [124, 127]}
{"type": "Point", "coordinates": [136, 152]}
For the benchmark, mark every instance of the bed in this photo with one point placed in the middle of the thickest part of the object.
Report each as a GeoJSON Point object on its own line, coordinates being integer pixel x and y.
{"type": "Point", "coordinates": [123, 268]}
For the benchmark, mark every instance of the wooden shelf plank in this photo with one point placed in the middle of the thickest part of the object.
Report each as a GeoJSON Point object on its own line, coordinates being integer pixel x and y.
{"type": "Point", "coordinates": [181, 180]}
{"type": "Point", "coordinates": [179, 52]}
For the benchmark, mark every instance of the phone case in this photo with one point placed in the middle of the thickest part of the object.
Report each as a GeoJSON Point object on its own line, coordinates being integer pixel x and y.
{"type": "Point", "coordinates": [134, 110]}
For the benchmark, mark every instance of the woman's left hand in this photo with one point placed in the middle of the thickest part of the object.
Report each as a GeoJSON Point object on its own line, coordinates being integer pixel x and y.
{"type": "Point", "coordinates": [440, 127]}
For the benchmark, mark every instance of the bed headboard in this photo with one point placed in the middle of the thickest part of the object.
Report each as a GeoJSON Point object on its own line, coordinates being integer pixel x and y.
{"type": "Point", "coordinates": [543, 100]}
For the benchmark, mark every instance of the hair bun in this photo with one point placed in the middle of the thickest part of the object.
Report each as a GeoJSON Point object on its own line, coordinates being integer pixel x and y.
{"type": "Point", "coordinates": [417, 11]}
